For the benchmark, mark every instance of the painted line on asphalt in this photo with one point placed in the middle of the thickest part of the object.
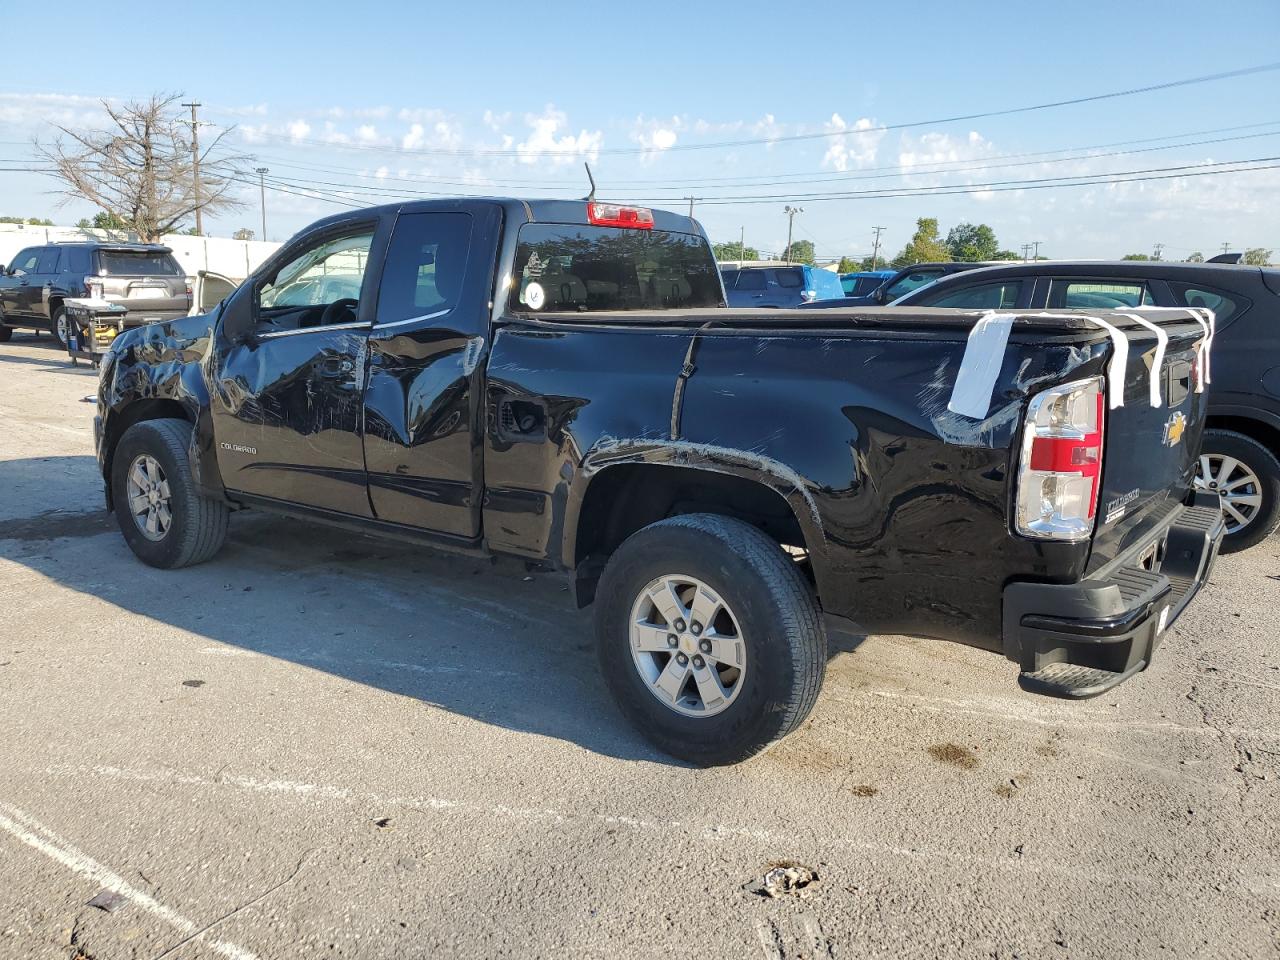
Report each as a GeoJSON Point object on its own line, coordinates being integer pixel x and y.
{"type": "Point", "coordinates": [702, 832]}
{"type": "Point", "coordinates": [36, 835]}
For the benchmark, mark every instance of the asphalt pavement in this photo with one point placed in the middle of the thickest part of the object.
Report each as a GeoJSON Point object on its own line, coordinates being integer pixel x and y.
{"type": "Point", "coordinates": [324, 745]}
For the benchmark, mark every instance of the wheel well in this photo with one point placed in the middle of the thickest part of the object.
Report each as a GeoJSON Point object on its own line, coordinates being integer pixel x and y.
{"type": "Point", "coordinates": [55, 304]}
{"type": "Point", "coordinates": [136, 412]}
{"type": "Point", "coordinates": [625, 499]}
{"type": "Point", "coordinates": [1264, 433]}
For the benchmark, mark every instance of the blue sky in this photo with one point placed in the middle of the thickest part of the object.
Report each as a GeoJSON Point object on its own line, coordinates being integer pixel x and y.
{"type": "Point", "coordinates": [383, 99]}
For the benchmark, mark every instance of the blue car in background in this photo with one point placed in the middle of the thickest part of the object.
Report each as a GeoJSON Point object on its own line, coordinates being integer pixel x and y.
{"type": "Point", "coordinates": [779, 285]}
{"type": "Point", "coordinates": [862, 283]}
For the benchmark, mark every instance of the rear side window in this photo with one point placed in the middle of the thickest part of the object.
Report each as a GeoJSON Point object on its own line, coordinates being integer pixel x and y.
{"type": "Point", "coordinates": [792, 279]}
{"type": "Point", "coordinates": [74, 260]}
{"type": "Point", "coordinates": [982, 296]}
{"type": "Point", "coordinates": [425, 265]}
{"type": "Point", "coordinates": [1098, 294]}
{"type": "Point", "coordinates": [570, 267]}
{"type": "Point", "coordinates": [48, 262]}
{"type": "Point", "coordinates": [1224, 305]}
{"type": "Point", "coordinates": [849, 285]}
{"type": "Point", "coordinates": [751, 280]}
{"type": "Point", "coordinates": [137, 263]}
{"type": "Point", "coordinates": [912, 281]}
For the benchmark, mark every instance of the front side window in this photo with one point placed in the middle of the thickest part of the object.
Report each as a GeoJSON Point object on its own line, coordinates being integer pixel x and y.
{"type": "Point", "coordinates": [1098, 295]}
{"type": "Point", "coordinates": [911, 281]}
{"type": "Point", "coordinates": [570, 267]}
{"type": "Point", "coordinates": [751, 280]}
{"type": "Point", "coordinates": [25, 261]}
{"type": "Point", "coordinates": [318, 287]}
{"type": "Point", "coordinates": [1225, 306]}
{"type": "Point", "coordinates": [425, 266]}
{"type": "Point", "coordinates": [1001, 295]}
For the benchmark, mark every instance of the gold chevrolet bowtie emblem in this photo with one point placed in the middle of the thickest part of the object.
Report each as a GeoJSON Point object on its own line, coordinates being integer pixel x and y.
{"type": "Point", "coordinates": [1174, 429]}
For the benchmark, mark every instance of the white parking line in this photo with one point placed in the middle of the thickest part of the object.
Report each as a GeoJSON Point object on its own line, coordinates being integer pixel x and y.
{"type": "Point", "coordinates": [39, 837]}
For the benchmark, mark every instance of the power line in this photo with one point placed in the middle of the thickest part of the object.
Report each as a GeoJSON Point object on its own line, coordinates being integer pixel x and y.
{"type": "Point", "coordinates": [799, 137]}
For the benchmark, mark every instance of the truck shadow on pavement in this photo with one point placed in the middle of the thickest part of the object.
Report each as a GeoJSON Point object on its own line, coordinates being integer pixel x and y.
{"type": "Point", "coordinates": [480, 638]}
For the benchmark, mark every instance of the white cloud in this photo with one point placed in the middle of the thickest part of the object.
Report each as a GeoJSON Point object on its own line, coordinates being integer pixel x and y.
{"type": "Point", "coordinates": [381, 173]}
{"type": "Point", "coordinates": [656, 136]}
{"type": "Point", "coordinates": [414, 138]}
{"type": "Point", "coordinates": [545, 139]}
{"type": "Point", "coordinates": [299, 129]}
{"type": "Point", "coordinates": [856, 149]}
{"type": "Point", "coordinates": [367, 133]}
{"type": "Point", "coordinates": [496, 121]}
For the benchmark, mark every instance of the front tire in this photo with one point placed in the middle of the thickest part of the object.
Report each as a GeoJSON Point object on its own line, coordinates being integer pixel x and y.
{"type": "Point", "coordinates": [1247, 476]}
{"type": "Point", "coordinates": [6, 333]}
{"type": "Point", "coordinates": [750, 649]}
{"type": "Point", "coordinates": [165, 520]}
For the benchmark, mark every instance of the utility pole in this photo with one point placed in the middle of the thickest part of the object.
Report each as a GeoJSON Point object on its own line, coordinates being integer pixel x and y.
{"type": "Point", "coordinates": [742, 243]}
{"type": "Point", "coordinates": [791, 219]}
{"type": "Point", "coordinates": [1226, 248]}
{"type": "Point", "coordinates": [691, 199]}
{"type": "Point", "coordinates": [1036, 254]}
{"type": "Point", "coordinates": [875, 252]}
{"type": "Point", "coordinates": [195, 163]}
{"type": "Point", "coordinates": [1026, 251]}
{"type": "Point", "coordinates": [262, 188]}
{"type": "Point", "coordinates": [1159, 247]}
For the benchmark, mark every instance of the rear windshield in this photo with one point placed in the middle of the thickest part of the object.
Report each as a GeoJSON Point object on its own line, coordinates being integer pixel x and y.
{"type": "Point", "coordinates": [137, 263]}
{"type": "Point", "coordinates": [563, 267]}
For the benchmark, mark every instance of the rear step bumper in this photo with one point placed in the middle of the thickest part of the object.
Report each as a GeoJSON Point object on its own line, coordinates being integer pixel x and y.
{"type": "Point", "coordinates": [1079, 640]}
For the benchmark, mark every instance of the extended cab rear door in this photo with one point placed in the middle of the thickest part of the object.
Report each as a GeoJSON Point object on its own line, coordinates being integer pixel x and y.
{"type": "Point", "coordinates": [425, 391]}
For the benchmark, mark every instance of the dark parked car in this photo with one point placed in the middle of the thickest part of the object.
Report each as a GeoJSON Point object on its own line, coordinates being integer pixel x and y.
{"type": "Point", "coordinates": [864, 282]}
{"type": "Point", "coordinates": [146, 278]}
{"type": "Point", "coordinates": [1242, 439]}
{"type": "Point", "coordinates": [779, 285]}
{"type": "Point", "coordinates": [901, 283]}
{"type": "Point", "coordinates": [560, 381]}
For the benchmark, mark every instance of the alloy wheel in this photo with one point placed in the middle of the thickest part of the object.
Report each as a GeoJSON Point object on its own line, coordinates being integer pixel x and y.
{"type": "Point", "coordinates": [150, 500]}
{"type": "Point", "coordinates": [1238, 485]}
{"type": "Point", "coordinates": [687, 646]}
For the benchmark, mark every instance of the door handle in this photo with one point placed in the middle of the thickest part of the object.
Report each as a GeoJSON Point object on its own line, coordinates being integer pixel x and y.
{"type": "Point", "coordinates": [335, 366]}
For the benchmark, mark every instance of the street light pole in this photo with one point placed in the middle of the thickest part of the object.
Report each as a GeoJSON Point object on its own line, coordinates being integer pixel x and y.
{"type": "Point", "coordinates": [791, 219]}
{"type": "Point", "coordinates": [262, 190]}
{"type": "Point", "coordinates": [195, 164]}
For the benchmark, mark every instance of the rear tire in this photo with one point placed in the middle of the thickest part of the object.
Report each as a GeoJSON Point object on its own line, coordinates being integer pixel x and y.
{"type": "Point", "coordinates": [165, 520]}
{"type": "Point", "coordinates": [6, 333]}
{"type": "Point", "coordinates": [765, 604]}
{"type": "Point", "coordinates": [58, 327]}
{"type": "Point", "coordinates": [1255, 479]}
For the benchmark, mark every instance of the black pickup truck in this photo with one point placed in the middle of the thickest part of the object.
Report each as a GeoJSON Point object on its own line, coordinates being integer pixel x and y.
{"type": "Point", "coordinates": [561, 381]}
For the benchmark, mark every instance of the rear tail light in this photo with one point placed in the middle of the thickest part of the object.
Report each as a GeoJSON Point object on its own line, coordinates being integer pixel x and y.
{"type": "Point", "coordinates": [1061, 468]}
{"type": "Point", "coordinates": [188, 289]}
{"type": "Point", "coordinates": [613, 215]}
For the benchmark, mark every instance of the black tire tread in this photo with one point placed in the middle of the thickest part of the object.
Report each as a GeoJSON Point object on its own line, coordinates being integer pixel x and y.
{"type": "Point", "coordinates": [796, 605]}
{"type": "Point", "coordinates": [1265, 463]}
{"type": "Point", "coordinates": [201, 521]}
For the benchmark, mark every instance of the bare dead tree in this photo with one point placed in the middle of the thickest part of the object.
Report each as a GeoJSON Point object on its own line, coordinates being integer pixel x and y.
{"type": "Point", "coordinates": [139, 168]}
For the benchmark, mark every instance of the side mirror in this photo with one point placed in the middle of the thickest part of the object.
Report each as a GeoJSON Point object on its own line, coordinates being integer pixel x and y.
{"type": "Point", "coordinates": [236, 319]}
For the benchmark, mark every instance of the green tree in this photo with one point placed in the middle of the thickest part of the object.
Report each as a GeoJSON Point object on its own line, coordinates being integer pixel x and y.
{"type": "Point", "coordinates": [1196, 257]}
{"type": "Point", "coordinates": [723, 251]}
{"type": "Point", "coordinates": [926, 246]}
{"type": "Point", "coordinates": [801, 251]}
{"type": "Point", "coordinates": [108, 221]}
{"type": "Point", "coordinates": [31, 221]}
{"type": "Point", "coordinates": [1258, 256]}
{"type": "Point", "coordinates": [1008, 255]}
{"type": "Point", "coordinates": [848, 266]}
{"type": "Point", "coordinates": [970, 242]}
{"type": "Point", "coordinates": [1135, 256]}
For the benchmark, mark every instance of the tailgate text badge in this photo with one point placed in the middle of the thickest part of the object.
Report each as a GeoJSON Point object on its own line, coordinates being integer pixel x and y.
{"type": "Point", "coordinates": [1174, 429]}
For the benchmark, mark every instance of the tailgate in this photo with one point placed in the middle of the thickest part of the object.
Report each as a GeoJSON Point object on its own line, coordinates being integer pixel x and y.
{"type": "Point", "coordinates": [1151, 452]}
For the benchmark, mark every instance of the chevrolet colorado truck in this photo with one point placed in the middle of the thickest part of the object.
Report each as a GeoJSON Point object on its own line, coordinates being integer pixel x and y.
{"type": "Point", "coordinates": [562, 382]}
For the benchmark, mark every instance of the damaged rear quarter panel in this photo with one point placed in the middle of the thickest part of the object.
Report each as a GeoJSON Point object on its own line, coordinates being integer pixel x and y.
{"type": "Point", "coordinates": [904, 505]}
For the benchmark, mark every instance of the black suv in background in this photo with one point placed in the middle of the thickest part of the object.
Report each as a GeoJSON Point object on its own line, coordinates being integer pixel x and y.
{"type": "Point", "coordinates": [902, 283]}
{"type": "Point", "coordinates": [146, 278]}
{"type": "Point", "coordinates": [1241, 445]}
